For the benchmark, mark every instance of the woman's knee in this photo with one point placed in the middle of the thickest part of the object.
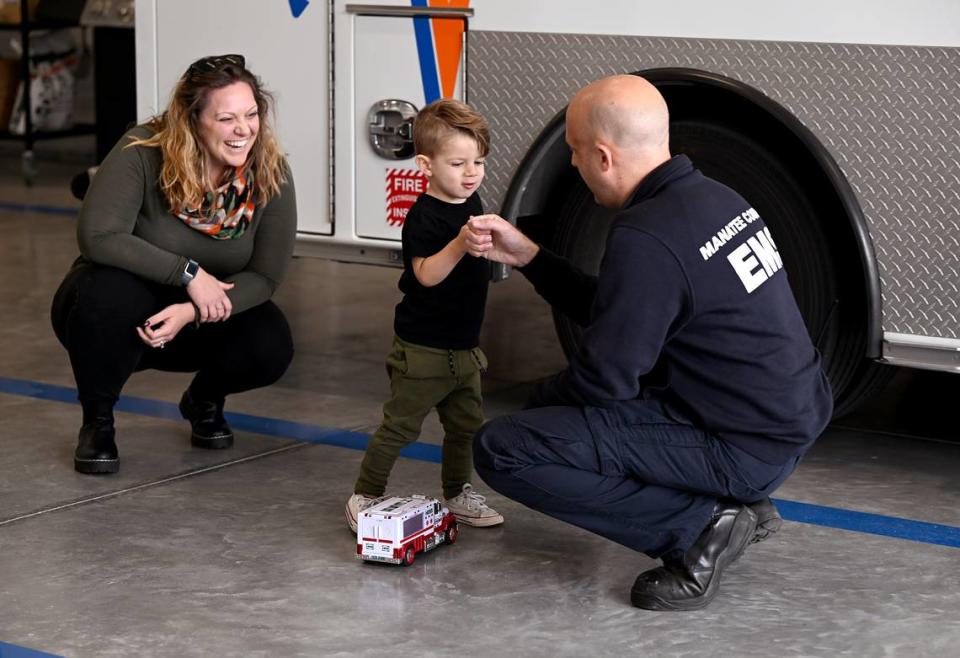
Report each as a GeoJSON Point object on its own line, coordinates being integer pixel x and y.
{"type": "Point", "coordinates": [102, 297]}
{"type": "Point", "coordinates": [269, 345]}
{"type": "Point", "coordinates": [269, 363]}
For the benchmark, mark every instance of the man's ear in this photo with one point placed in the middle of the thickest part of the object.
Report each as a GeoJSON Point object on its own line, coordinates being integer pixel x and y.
{"type": "Point", "coordinates": [606, 156]}
{"type": "Point", "coordinates": [423, 164]}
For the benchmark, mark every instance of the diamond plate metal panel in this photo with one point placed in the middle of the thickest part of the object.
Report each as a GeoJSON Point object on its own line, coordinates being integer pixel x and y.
{"type": "Point", "coordinates": [888, 115]}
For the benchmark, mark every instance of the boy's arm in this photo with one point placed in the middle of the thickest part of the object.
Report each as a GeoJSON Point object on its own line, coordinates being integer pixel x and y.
{"type": "Point", "coordinates": [434, 269]}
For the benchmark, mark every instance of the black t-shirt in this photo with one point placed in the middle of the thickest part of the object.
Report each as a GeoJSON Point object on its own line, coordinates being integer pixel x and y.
{"type": "Point", "coordinates": [449, 314]}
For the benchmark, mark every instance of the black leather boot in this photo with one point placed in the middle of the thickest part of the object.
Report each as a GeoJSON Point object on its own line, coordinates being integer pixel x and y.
{"type": "Point", "coordinates": [210, 428]}
{"type": "Point", "coordinates": [768, 519]}
{"type": "Point", "coordinates": [96, 449]}
{"type": "Point", "coordinates": [691, 582]}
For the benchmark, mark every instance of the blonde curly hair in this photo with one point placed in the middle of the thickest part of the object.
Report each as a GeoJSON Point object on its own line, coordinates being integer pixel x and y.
{"type": "Point", "coordinates": [184, 177]}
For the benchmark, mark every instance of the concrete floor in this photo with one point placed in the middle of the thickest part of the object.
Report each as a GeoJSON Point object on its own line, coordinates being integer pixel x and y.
{"type": "Point", "coordinates": [245, 552]}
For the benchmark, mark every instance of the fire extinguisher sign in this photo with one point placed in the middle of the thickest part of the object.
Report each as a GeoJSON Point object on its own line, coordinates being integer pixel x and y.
{"type": "Point", "coordinates": [403, 188]}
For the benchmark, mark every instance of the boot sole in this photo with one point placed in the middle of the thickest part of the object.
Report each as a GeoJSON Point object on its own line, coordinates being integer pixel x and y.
{"type": "Point", "coordinates": [96, 466]}
{"type": "Point", "coordinates": [208, 443]}
{"type": "Point", "coordinates": [743, 532]}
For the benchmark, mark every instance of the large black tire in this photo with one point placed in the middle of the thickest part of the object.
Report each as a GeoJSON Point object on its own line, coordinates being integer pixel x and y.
{"type": "Point", "coordinates": [805, 223]}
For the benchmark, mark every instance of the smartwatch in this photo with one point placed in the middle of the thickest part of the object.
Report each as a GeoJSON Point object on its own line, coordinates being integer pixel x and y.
{"type": "Point", "coordinates": [189, 272]}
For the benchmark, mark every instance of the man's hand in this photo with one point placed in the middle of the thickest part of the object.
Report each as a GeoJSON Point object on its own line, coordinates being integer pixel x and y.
{"type": "Point", "coordinates": [160, 328]}
{"type": "Point", "coordinates": [210, 296]}
{"type": "Point", "coordinates": [493, 237]}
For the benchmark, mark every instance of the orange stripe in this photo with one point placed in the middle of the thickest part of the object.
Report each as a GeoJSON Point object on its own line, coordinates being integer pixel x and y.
{"type": "Point", "coordinates": [448, 42]}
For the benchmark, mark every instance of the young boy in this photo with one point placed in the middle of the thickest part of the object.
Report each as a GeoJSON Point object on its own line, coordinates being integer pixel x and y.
{"type": "Point", "coordinates": [436, 361]}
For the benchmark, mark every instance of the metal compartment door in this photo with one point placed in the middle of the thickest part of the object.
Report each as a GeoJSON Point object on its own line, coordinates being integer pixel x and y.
{"type": "Point", "coordinates": [287, 49]}
{"type": "Point", "coordinates": [401, 63]}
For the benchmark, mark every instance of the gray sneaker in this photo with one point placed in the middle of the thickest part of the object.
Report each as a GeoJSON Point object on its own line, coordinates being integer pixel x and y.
{"type": "Point", "coordinates": [471, 509]}
{"type": "Point", "coordinates": [356, 504]}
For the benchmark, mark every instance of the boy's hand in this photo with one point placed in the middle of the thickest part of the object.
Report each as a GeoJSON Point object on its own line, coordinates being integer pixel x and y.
{"type": "Point", "coordinates": [478, 242]}
{"type": "Point", "coordinates": [493, 237]}
{"type": "Point", "coordinates": [462, 241]}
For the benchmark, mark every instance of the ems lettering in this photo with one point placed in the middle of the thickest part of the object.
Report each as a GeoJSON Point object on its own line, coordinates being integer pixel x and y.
{"type": "Point", "coordinates": [728, 232]}
{"type": "Point", "coordinates": [756, 260]}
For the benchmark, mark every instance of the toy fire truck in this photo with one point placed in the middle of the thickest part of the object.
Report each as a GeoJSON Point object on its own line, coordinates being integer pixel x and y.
{"type": "Point", "coordinates": [395, 529]}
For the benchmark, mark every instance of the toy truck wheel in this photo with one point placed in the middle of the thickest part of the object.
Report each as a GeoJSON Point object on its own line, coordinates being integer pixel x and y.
{"type": "Point", "coordinates": [409, 556]}
{"type": "Point", "coordinates": [451, 533]}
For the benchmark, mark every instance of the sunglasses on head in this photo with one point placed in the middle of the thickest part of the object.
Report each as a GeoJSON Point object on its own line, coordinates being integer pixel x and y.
{"type": "Point", "coordinates": [215, 62]}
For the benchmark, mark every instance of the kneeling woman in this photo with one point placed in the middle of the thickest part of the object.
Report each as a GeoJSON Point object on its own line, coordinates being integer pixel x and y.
{"type": "Point", "coordinates": [186, 231]}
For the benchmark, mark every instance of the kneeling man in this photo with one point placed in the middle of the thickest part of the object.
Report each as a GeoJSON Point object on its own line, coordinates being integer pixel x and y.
{"type": "Point", "coordinates": [696, 388]}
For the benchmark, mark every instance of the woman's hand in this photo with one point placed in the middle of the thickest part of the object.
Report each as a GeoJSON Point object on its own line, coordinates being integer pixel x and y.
{"type": "Point", "coordinates": [160, 328]}
{"type": "Point", "coordinates": [210, 296]}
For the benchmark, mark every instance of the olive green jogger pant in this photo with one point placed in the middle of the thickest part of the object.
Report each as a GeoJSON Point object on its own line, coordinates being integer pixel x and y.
{"type": "Point", "coordinates": [423, 378]}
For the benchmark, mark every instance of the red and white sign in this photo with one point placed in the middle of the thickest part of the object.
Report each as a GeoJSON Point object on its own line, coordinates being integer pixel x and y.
{"type": "Point", "coordinates": [403, 188]}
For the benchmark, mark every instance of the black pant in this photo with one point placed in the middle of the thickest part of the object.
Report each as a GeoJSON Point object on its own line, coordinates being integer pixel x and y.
{"type": "Point", "coordinates": [96, 311]}
{"type": "Point", "coordinates": [629, 472]}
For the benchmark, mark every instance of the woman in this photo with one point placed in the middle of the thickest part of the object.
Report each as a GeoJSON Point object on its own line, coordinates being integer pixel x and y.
{"type": "Point", "coordinates": [186, 231]}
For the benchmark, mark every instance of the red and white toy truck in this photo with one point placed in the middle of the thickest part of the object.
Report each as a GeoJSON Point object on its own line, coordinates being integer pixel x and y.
{"type": "Point", "coordinates": [395, 529]}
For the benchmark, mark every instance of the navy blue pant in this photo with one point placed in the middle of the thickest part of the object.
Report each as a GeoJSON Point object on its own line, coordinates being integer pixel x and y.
{"type": "Point", "coordinates": [628, 473]}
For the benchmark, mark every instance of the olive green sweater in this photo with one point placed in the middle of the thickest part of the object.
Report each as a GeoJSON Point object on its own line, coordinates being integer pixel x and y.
{"type": "Point", "coordinates": [125, 222]}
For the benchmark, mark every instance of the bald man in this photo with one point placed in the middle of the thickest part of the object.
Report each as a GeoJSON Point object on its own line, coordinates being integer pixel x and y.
{"type": "Point", "coordinates": [695, 390]}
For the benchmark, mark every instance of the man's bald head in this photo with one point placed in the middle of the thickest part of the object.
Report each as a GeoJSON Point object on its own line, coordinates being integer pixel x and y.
{"type": "Point", "coordinates": [618, 129]}
{"type": "Point", "coordinates": [625, 110]}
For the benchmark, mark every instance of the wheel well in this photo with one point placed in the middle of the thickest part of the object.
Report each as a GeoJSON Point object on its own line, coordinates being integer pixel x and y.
{"type": "Point", "coordinates": [692, 96]}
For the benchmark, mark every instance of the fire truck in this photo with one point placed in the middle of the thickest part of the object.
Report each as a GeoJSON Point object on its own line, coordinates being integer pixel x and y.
{"type": "Point", "coordinates": [837, 121]}
{"type": "Point", "coordinates": [395, 529]}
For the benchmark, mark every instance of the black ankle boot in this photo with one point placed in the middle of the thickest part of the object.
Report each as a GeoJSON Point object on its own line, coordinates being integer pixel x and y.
{"type": "Point", "coordinates": [210, 428]}
{"type": "Point", "coordinates": [691, 581]}
{"type": "Point", "coordinates": [96, 449]}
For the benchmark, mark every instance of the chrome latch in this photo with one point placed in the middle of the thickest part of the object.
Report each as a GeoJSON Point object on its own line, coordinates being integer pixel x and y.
{"type": "Point", "coordinates": [390, 123]}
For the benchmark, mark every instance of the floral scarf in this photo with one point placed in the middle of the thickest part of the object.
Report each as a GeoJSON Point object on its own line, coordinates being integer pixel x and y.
{"type": "Point", "coordinates": [227, 211]}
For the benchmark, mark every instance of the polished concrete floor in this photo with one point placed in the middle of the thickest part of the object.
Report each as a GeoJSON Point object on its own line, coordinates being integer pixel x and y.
{"type": "Point", "coordinates": [245, 552]}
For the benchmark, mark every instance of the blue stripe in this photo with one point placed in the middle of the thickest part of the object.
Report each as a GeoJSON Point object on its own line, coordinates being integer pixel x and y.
{"type": "Point", "coordinates": [428, 63]}
{"type": "Point", "coordinates": [871, 524]}
{"type": "Point", "coordinates": [13, 651]}
{"type": "Point", "coordinates": [829, 517]}
{"type": "Point", "coordinates": [297, 7]}
{"type": "Point", "coordinates": [286, 429]}
{"type": "Point", "coordinates": [34, 208]}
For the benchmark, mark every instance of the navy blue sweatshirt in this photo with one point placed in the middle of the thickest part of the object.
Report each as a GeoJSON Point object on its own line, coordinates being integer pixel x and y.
{"type": "Point", "coordinates": [691, 307]}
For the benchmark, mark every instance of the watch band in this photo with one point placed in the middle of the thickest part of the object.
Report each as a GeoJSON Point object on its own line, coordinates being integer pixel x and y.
{"type": "Point", "coordinates": [189, 272]}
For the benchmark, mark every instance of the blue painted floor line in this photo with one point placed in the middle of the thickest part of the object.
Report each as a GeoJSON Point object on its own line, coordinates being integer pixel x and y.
{"type": "Point", "coordinates": [821, 515]}
{"type": "Point", "coordinates": [13, 651]}
{"type": "Point", "coordinates": [41, 209]}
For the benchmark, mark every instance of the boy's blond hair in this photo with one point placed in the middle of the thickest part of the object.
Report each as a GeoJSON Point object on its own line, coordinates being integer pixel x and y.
{"type": "Point", "coordinates": [440, 120]}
